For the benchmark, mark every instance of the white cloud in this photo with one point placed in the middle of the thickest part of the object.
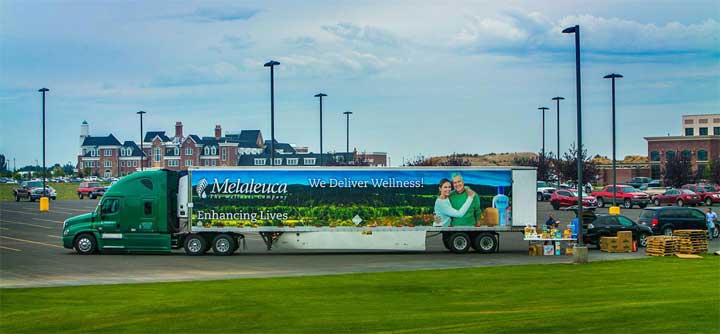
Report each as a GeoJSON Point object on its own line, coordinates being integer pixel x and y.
{"type": "Point", "coordinates": [366, 34]}
{"type": "Point", "coordinates": [192, 75]}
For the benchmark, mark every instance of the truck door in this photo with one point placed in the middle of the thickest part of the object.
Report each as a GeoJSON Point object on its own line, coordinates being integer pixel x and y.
{"type": "Point", "coordinates": [109, 223]}
{"type": "Point", "coordinates": [142, 228]}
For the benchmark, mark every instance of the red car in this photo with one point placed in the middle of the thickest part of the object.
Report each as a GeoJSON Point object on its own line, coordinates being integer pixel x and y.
{"type": "Point", "coordinates": [707, 193]}
{"type": "Point", "coordinates": [625, 195]}
{"type": "Point", "coordinates": [569, 197]}
{"type": "Point", "coordinates": [680, 197]}
{"type": "Point", "coordinates": [90, 189]}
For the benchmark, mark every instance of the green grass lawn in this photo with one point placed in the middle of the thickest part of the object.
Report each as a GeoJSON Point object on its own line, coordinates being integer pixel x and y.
{"type": "Point", "coordinates": [64, 190]}
{"type": "Point", "coordinates": [653, 295]}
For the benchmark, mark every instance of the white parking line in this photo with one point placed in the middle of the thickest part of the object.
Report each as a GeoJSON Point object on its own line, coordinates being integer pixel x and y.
{"type": "Point", "coordinates": [48, 220]}
{"type": "Point", "coordinates": [26, 224]}
{"type": "Point", "coordinates": [30, 241]}
{"type": "Point", "coordinates": [8, 248]}
{"type": "Point", "coordinates": [54, 236]}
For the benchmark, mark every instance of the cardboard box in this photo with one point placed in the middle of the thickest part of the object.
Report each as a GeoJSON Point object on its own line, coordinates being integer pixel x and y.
{"type": "Point", "coordinates": [549, 250]}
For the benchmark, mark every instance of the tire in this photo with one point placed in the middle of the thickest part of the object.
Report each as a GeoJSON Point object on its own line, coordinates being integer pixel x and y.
{"type": "Point", "coordinates": [667, 231]}
{"type": "Point", "coordinates": [680, 203]}
{"type": "Point", "coordinates": [195, 245]}
{"type": "Point", "coordinates": [224, 245]}
{"type": "Point", "coordinates": [642, 242]}
{"type": "Point", "coordinates": [627, 204]}
{"type": "Point", "coordinates": [92, 196]}
{"type": "Point", "coordinates": [539, 197]}
{"type": "Point", "coordinates": [446, 240]}
{"type": "Point", "coordinates": [17, 198]}
{"type": "Point", "coordinates": [555, 205]}
{"type": "Point", "coordinates": [80, 195]}
{"type": "Point", "coordinates": [708, 201]}
{"type": "Point", "coordinates": [459, 242]}
{"type": "Point", "coordinates": [85, 244]}
{"type": "Point", "coordinates": [601, 202]}
{"type": "Point", "coordinates": [486, 243]}
{"type": "Point", "coordinates": [716, 232]}
{"type": "Point", "coordinates": [656, 202]}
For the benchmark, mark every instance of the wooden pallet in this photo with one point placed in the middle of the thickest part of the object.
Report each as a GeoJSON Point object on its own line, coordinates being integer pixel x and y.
{"type": "Point", "coordinates": [662, 245]}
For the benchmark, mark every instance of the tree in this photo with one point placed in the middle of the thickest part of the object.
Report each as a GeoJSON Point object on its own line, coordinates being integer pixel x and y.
{"type": "Point", "coordinates": [568, 166]}
{"type": "Point", "coordinates": [3, 163]}
{"type": "Point", "coordinates": [58, 171]}
{"type": "Point", "coordinates": [455, 160]}
{"type": "Point", "coordinates": [541, 163]}
{"type": "Point", "coordinates": [677, 171]}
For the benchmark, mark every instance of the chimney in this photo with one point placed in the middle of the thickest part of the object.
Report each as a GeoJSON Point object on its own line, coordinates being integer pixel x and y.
{"type": "Point", "coordinates": [178, 130]}
{"type": "Point", "coordinates": [218, 131]}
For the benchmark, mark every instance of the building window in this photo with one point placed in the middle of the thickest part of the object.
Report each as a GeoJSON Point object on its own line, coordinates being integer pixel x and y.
{"type": "Point", "coordinates": [308, 161]}
{"type": "Point", "coordinates": [686, 155]}
{"type": "Point", "coordinates": [702, 155]}
{"type": "Point", "coordinates": [173, 163]}
{"type": "Point", "coordinates": [278, 162]}
{"type": "Point", "coordinates": [655, 171]}
{"type": "Point", "coordinates": [213, 151]}
{"type": "Point", "coordinates": [224, 153]}
{"type": "Point", "coordinates": [260, 161]}
{"type": "Point", "coordinates": [654, 156]}
{"type": "Point", "coordinates": [107, 153]}
{"type": "Point", "coordinates": [122, 163]}
{"type": "Point", "coordinates": [716, 131]}
{"type": "Point", "coordinates": [176, 151]}
{"type": "Point", "coordinates": [292, 161]}
{"type": "Point", "coordinates": [703, 131]}
{"type": "Point", "coordinates": [207, 162]}
{"type": "Point", "coordinates": [188, 163]}
{"type": "Point", "coordinates": [157, 154]}
{"type": "Point", "coordinates": [134, 163]}
{"type": "Point", "coordinates": [689, 131]}
{"type": "Point", "coordinates": [669, 155]}
{"type": "Point", "coordinates": [92, 152]}
{"type": "Point", "coordinates": [188, 151]}
{"type": "Point", "coordinates": [108, 163]}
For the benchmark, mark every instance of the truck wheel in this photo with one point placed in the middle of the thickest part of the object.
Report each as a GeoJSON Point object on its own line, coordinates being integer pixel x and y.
{"type": "Point", "coordinates": [80, 195]}
{"type": "Point", "coordinates": [601, 202]}
{"type": "Point", "coordinates": [224, 244]}
{"type": "Point", "coordinates": [446, 240]}
{"type": "Point", "coordinates": [555, 205]}
{"type": "Point", "coordinates": [17, 198]}
{"type": "Point", "coordinates": [85, 244]}
{"type": "Point", "coordinates": [459, 243]}
{"type": "Point", "coordinates": [627, 204]}
{"type": "Point", "coordinates": [708, 201]}
{"type": "Point", "coordinates": [485, 243]}
{"type": "Point", "coordinates": [92, 196]}
{"type": "Point", "coordinates": [195, 245]}
{"type": "Point", "coordinates": [680, 202]}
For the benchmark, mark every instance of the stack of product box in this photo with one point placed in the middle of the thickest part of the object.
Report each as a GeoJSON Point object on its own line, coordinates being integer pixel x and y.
{"type": "Point", "coordinates": [620, 244]}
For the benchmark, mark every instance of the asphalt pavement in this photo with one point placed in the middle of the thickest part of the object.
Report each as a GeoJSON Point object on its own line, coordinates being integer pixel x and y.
{"type": "Point", "coordinates": [31, 254]}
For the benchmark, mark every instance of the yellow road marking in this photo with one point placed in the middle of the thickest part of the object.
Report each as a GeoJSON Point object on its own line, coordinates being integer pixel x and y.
{"type": "Point", "coordinates": [8, 248]}
{"type": "Point", "coordinates": [30, 241]}
{"type": "Point", "coordinates": [33, 225]}
{"type": "Point", "coordinates": [54, 236]}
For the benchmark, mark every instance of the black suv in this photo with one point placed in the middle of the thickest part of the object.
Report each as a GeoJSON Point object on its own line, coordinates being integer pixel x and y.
{"type": "Point", "coordinates": [664, 220]}
{"type": "Point", "coordinates": [605, 225]}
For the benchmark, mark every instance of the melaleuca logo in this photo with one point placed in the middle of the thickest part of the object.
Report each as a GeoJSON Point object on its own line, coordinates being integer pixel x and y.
{"type": "Point", "coordinates": [238, 187]}
{"type": "Point", "coordinates": [200, 188]}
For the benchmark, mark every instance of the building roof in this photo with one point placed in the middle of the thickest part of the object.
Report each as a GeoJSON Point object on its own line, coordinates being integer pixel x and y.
{"type": "Point", "coordinates": [681, 138]}
{"type": "Point", "coordinates": [196, 138]}
{"type": "Point", "coordinates": [150, 135]}
{"type": "Point", "coordinates": [135, 149]}
{"type": "Point", "coordinates": [284, 147]}
{"type": "Point", "coordinates": [110, 140]}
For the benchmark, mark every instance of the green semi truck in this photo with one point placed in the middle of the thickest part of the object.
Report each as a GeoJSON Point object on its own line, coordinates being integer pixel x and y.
{"type": "Point", "coordinates": [393, 209]}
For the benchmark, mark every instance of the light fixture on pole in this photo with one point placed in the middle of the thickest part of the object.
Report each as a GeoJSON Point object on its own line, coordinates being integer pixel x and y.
{"type": "Point", "coordinates": [613, 76]}
{"type": "Point", "coordinates": [43, 91]}
{"type": "Point", "coordinates": [321, 95]}
{"type": "Point", "coordinates": [271, 64]}
{"type": "Point", "coordinates": [557, 154]}
{"type": "Point", "coordinates": [142, 149]}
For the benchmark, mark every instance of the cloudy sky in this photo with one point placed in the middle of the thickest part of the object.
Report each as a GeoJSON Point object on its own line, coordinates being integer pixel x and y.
{"type": "Point", "coordinates": [420, 77]}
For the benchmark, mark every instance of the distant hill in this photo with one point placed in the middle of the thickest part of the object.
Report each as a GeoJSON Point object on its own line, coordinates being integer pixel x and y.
{"type": "Point", "coordinates": [490, 159]}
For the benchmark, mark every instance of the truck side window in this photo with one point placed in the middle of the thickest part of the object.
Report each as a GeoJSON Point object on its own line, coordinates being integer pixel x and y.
{"type": "Point", "coordinates": [147, 183]}
{"type": "Point", "coordinates": [148, 208]}
{"type": "Point", "coordinates": [110, 206]}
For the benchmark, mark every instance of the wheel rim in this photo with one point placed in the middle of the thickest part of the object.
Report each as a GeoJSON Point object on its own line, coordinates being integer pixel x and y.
{"type": "Point", "coordinates": [222, 245]}
{"type": "Point", "coordinates": [84, 245]}
{"type": "Point", "coordinates": [487, 243]}
{"type": "Point", "coordinates": [657, 203]}
{"type": "Point", "coordinates": [601, 202]}
{"type": "Point", "coordinates": [708, 202]}
{"type": "Point", "coordinates": [194, 245]}
{"type": "Point", "coordinates": [643, 240]}
{"type": "Point", "coordinates": [627, 204]}
{"type": "Point", "coordinates": [715, 233]}
{"type": "Point", "coordinates": [460, 243]}
{"type": "Point", "coordinates": [680, 203]}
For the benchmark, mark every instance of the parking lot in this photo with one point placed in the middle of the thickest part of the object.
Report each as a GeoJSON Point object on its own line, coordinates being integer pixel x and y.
{"type": "Point", "coordinates": [31, 254]}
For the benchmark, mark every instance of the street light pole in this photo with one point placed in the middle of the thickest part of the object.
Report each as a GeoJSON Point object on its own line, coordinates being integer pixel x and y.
{"type": "Point", "coordinates": [142, 149]}
{"type": "Point", "coordinates": [613, 76]}
{"type": "Point", "coordinates": [43, 91]}
{"type": "Point", "coordinates": [542, 158]}
{"type": "Point", "coordinates": [271, 64]}
{"type": "Point", "coordinates": [557, 154]}
{"type": "Point", "coordinates": [576, 30]}
{"type": "Point", "coordinates": [347, 129]}
{"type": "Point", "coordinates": [321, 95]}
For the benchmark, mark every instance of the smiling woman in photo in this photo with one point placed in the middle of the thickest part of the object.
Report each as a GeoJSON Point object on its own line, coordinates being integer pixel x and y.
{"type": "Point", "coordinates": [443, 209]}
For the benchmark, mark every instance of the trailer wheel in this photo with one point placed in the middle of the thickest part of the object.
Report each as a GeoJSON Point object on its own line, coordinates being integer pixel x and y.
{"type": "Point", "coordinates": [486, 243]}
{"type": "Point", "coordinates": [459, 242]}
{"type": "Point", "coordinates": [224, 244]}
{"type": "Point", "coordinates": [195, 245]}
{"type": "Point", "coordinates": [446, 240]}
{"type": "Point", "coordinates": [85, 244]}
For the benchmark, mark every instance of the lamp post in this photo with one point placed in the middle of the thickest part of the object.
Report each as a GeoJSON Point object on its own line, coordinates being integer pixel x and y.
{"type": "Point", "coordinates": [576, 30]}
{"type": "Point", "coordinates": [542, 158]}
{"type": "Point", "coordinates": [557, 154]}
{"type": "Point", "coordinates": [142, 149]}
{"type": "Point", "coordinates": [613, 76]}
{"type": "Point", "coordinates": [321, 95]}
{"type": "Point", "coordinates": [271, 64]}
{"type": "Point", "coordinates": [347, 129]}
{"type": "Point", "coordinates": [43, 91]}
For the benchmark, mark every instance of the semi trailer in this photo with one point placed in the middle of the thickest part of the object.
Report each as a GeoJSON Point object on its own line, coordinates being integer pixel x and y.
{"type": "Point", "coordinates": [333, 208]}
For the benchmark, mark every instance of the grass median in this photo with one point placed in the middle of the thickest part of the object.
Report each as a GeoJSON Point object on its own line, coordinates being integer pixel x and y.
{"type": "Point", "coordinates": [64, 190]}
{"type": "Point", "coordinates": [653, 295]}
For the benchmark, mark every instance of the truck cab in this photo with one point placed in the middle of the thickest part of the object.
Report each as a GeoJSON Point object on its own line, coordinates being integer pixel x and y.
{"type": "Point", "coordinates": [136, 214]}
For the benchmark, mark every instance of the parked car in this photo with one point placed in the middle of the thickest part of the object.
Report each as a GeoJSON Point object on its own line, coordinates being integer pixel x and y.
{"type": "Point", "coordinates": [680, 197]}
{"type": "Point", "coordinates": [565, 198]}
{"type": "Point", "coordinates": [32, 190]}
{"type": "Point", "coordinates": [605, 225]}
{"type": "Point", "coordinates": [90, 189]}
{"type": "Point", "coordinates": [707, 193]}
{"type": "Point", "coordinates": [627, 195]}
{"type": "Point", "coordinates": [665, 220]}
{"type": "Point", "coordinates": [639, 182]}
{"type": "Point", "coordinates": [544, 191]}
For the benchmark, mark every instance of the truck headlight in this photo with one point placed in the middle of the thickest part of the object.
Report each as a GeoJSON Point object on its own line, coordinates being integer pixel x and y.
{"type": "Point", "coordinates": [66, 232]}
